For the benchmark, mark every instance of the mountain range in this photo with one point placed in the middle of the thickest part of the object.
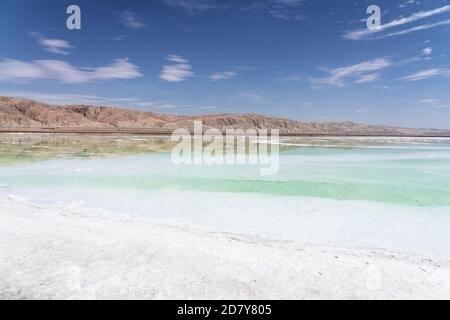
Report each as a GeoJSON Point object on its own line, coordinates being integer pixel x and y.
{"type": "Point", "coordinates": [18, 113]}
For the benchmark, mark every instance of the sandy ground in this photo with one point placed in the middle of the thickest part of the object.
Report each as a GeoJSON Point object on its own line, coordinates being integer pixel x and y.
{"type": "Point", "coordinates": [71, 252]}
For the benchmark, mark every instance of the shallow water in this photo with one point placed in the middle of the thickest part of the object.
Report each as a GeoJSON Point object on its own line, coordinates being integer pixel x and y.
{"type": "Point", "coordinates": [369, 192]}
{"type": "Point", "coordinates": [413, 172]}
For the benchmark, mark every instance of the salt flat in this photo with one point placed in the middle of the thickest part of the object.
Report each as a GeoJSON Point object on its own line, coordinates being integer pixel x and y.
{"type": "Point", "coordinates": [72, 252]}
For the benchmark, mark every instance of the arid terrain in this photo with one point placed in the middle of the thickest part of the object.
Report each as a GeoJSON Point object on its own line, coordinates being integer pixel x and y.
{"type": "Point", "coordinates": [18, 114]}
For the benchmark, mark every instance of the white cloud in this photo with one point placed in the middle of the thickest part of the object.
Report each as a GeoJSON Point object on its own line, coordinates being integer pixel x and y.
{"type": "Point", "coordinates": [427, 101]}
{"type": "Point", "coordinates": [368, 78]}
{"type": "Point", "coordinates": [180, 70]}
{"type": "Point", "coordinates": [62, 71]}
{"type": "Point", "coordinates": [15, 70]}
{"type": "Point", "coordinates": [426, 74]}
{"type": "Point", "coordinates": [176, 58]}
{"type": "Point", "coordinates": [222, 75]}
{"type": "Point", "coordinates": [414, 29]}
{"type": "Point", "coordinates": [130, 20]}
{"type": "Point", "coordinates": [364, 71]}
{"type": "Point", "coordinates": [427, 51]}
{"type": "Point", "coordinates": [364, 33]}
{"type": "Point", "coordinates": [56, 46]}
{"type": "Point", "coordinates": [404, 5]}
{"type": "Point", "coordinates": [120, 69]}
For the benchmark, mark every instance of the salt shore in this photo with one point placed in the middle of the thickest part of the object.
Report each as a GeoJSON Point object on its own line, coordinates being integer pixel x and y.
{"type": "Point", "coordinates": [75, 252]}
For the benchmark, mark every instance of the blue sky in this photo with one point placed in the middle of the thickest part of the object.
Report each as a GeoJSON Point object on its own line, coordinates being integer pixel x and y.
{"type": "Point", "coordinates": [302, 59]}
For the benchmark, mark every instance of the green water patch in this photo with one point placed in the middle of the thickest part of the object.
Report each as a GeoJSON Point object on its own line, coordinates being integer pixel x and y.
{"type": "Point", "coordinates": [385, 193]}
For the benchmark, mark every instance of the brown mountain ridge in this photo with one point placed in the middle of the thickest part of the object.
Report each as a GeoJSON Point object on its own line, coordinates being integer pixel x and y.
{"type": "Point", "coordinates": [17, 113]}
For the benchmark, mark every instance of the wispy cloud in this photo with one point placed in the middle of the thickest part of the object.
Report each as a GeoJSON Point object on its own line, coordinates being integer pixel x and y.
{"type": "Point", "coordinates": [179, 70]}
{"type": "Point", "coordinates": [415, 29]}
{"type": "Point", "coordinates": [68, 98]}
{"type": "Point", "coordinates": [56, 46]}
{"type": "Point", "coordinates": [427, 74]}
{"type": "Point", "coordinates": [156, 105]}
{"type": "Point", "coordinates": [71, 98]}
{"type": "Point", "coordinates": [56, 70]}
{"type": "Point", "coordinates": [279, 9]}
{"type": "Point", "coordinates": [368, 78]}
{"type": "Point", "coordinates": [434, 103]}
{"type": "Point", "coordinates": [285, 9]}
{"type": "Point", "coordinates": [130, 20]}
{"type": "Point", "coordinates": [407, 3]}
{"type": "Point", "coordinates": [222, 75]}
{"type": "Point", "coordinates": [194, 6]}
{"type": "Point", "coordinates": [250, 96]}
{"type": "Point", "coordinates": [208, 107]}
{"type": "Point", "coordinates": [442, 106]}
{"type": "Point", "coordinates": [427, 51]}
{"type": "Point", "coordinates": [118, 38]}
{"type": "Point", "coordinates": [427, 101]}
{"type": "Point", "coordinates": [363, 72]}
{"type": "Point", "coordinates": [365, 33]}
{"type": "Point", "coordinates": [168, 105]}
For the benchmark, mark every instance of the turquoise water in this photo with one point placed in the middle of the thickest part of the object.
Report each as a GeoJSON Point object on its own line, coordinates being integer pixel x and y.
{"type": "Point", "coordinates": [412, 173]}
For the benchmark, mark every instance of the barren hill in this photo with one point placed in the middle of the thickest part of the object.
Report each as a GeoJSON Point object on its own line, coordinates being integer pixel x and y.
{"type": "Point", "coordinates": [21, 113]}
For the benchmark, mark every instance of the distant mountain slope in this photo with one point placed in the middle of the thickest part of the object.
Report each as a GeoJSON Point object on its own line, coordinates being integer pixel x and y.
{"type": "Point", "coordinates": [22, 113]}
